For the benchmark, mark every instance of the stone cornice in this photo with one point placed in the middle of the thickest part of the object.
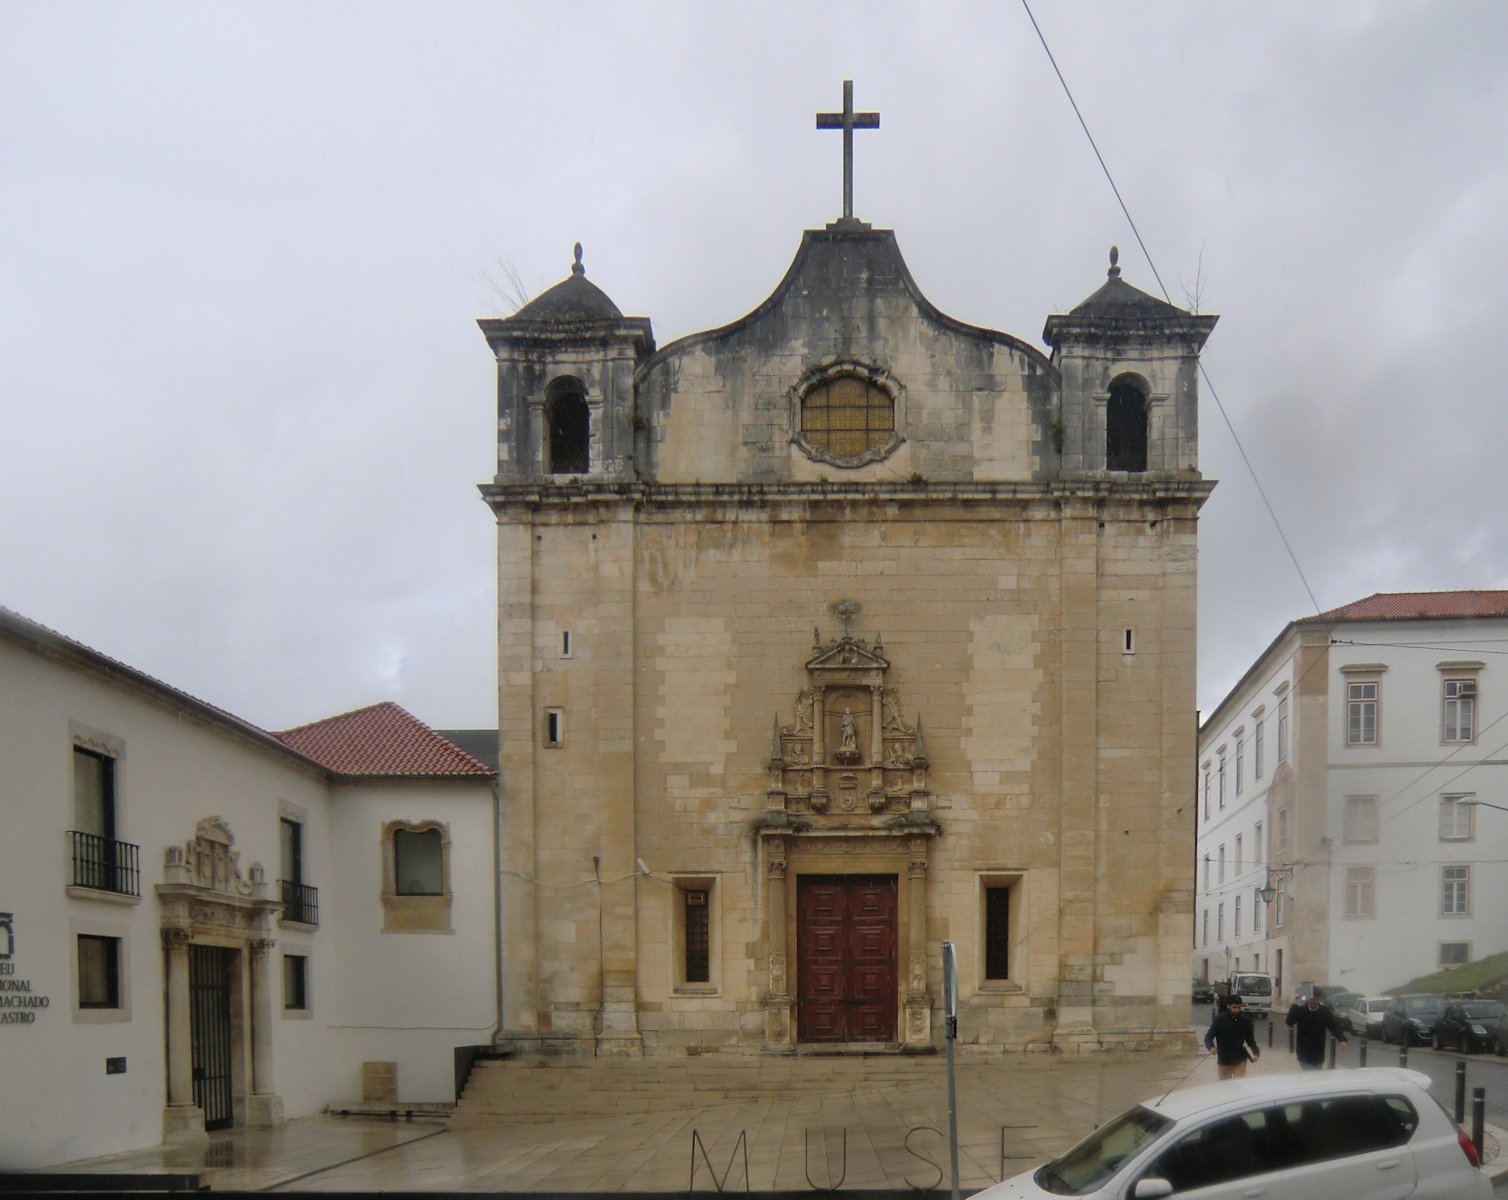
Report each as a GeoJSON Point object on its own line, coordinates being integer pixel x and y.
{"type": "Point", "coordinates": [1161, 490]}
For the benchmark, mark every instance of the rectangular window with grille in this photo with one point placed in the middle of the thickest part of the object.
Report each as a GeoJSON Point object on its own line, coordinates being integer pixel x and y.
{"type": "Point", "coordinates": [1460, 724]}
{"type": "Point", "coordinates": [1256, 750]}
{"type": "Point", "coordinates": [1283, 730]}
{"type": "Point", "coordinates": [1361, 713]}
{"type": "Point", "coordinates": [1455, 954]}
{"type": "Point", "coordinates": [1455, 818]}
{"type": "Point", "coordinates": [1360, 892]}
{"type": "Point", "coordinates": [1455, 891]}
{"type": "Point", "coordinates": [698, 933]}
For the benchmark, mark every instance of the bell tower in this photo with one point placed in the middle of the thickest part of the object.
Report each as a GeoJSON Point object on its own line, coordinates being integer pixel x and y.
{"type": "Point", "coordinates": [1129, 363]}
{"type": "Point", "coordinates": [565, 370]}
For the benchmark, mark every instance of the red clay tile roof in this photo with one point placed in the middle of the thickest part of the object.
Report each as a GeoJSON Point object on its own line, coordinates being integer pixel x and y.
{"type": "Point", "coordinates": [381, 740]}
{"type": "Point", "coordinates": [1411, 606]}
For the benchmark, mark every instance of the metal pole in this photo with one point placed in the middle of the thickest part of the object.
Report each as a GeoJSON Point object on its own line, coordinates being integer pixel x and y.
{"type": "Point", "coordinates": [1362, 1051]}
{"type": "Point", "coordinates": [1403, 1050]}
{"type": "Point", "coordinates": [1269, 1031]}
{"type": "Point", "coordinates": [950, 1007]}
{"type": "Point", "coordinates": [1460, 1091]}
{"type": "Point", "coordinates": [1478, 1117]}
{"type": "Point", "coordinates": [1333, 1045]}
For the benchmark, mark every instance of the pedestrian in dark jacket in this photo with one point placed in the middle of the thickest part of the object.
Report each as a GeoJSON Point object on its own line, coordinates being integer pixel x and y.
{"type": "Point", "coordinates": [1232, 1040]}
{"type": "Point", "coordinates": [1310, 1021]}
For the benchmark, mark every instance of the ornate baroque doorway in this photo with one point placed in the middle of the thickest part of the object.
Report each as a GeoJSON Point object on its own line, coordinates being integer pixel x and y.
{"type": "Point", "coordinates": [846, 958]}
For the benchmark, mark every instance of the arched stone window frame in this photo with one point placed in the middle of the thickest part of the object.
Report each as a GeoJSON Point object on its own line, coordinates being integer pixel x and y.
{"type": "Point", "coordinates": [409, 913]}
{"type": "Point", "coordinates": [1138, 376]}
{"type": "Point", "coordinates": [829, 372]}
{"type": "Point", "coordinates": [560, 387]}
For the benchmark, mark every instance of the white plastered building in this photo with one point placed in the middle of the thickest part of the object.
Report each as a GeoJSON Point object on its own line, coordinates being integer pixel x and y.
{"type": "Point", "coordinates": [1352, 770]}
{"type": "Point", "coordinates": [206, 924]}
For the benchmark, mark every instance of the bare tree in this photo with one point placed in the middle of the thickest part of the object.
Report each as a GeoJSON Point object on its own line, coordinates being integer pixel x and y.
{"type": "Point", "coordinates": [1194, 292]}
{"type": "Point", "coordinates": [505, 285]}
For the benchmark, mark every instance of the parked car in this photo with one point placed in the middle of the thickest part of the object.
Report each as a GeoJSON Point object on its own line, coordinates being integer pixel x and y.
{"type": "Point", "coordinates": [1204, 991]}
{"type": "Point", "coordinates": [1338, 1001]}
{"type": "Point", "coordinates": [1468, 1025]}
{"type": "Point", "coordinates": [1500, 1036]}
{"type": "Point", "coordinates": [1365, 1134]}
{"type": "Point", "coordinates": [1364, 1016]}
{"type": "Point", "coordinates": [1409, 1019]}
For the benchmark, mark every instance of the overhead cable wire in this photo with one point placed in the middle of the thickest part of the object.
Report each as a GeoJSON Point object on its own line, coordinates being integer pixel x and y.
{"type": "Point", "coordinates": [1147, 254]}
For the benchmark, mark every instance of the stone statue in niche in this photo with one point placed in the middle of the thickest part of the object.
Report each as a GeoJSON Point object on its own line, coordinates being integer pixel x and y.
{"type": "Point", "coordinates": [848, 741]}
{"type": "Point", "coordinates": [802, 725]}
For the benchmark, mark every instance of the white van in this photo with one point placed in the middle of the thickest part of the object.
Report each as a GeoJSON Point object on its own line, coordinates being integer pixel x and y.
{"type": "Point", "coordinates": [1254, 988]}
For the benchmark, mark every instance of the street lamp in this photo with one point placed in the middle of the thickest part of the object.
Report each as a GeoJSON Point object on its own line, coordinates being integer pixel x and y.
{"type": "Point", "coordinates": [1469, 803]}
{"type": "Point", "coordinates": [1276, 876]}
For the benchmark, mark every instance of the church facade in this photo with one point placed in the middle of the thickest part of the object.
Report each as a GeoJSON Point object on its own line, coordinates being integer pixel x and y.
{"type": "Point", "coordinates": [830, 635]}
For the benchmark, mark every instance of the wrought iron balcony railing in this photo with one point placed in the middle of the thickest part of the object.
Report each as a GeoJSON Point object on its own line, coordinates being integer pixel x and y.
{"type": "Point", "coordinates": [300, 902]}
{"type": "Point", "coordinates": [105, 865]}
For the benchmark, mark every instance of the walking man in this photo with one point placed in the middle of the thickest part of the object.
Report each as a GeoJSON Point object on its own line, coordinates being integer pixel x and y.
{"type": "Point", "coordinates": [1232, 1040]}
{"type": "Point", "coordinates": [1310, 1021]}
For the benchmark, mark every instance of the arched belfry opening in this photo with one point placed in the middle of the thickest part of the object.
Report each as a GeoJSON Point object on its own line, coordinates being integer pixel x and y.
{"type": "Point", "coordinates": [568, 428]}
{"type": "Point", "coordinates": [1126, 427]}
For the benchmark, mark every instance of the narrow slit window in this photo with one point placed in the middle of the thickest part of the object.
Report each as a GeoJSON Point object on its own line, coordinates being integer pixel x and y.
{"type": "Point", "coordinates": [698, 927]}
{"type": "Point", "coordinates": [554, 727]}
{"type": "Point", "coordinates": [997, 926]}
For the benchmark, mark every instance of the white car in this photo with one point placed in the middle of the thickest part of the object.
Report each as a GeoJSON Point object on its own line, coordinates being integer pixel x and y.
{"type": "Point", "coordinates": [1369, 1134]}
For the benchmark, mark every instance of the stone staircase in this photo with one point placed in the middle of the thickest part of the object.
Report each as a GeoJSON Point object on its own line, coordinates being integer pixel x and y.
{"type": "Point", "coordinates": [507, 1091]}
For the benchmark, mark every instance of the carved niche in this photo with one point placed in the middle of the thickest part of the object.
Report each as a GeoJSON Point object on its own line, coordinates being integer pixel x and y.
{"type": "Point", "coordinates": [847, 750]}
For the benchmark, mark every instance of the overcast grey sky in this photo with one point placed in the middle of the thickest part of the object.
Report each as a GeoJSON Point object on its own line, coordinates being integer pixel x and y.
{"type": "Point", "coordinates": [242, 248]}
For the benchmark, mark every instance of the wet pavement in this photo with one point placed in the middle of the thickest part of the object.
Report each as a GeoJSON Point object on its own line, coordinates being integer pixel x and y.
{"type": "Point", "coordinates": [870, 1122]}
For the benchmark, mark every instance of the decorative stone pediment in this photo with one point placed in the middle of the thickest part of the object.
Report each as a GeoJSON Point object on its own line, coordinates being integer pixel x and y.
{"type": "Point", "coordinates": [847, 751]}
{"type": "Point", "coordinates": [203, 892]}
{"type": "Point", "coordinates": [209, 862]}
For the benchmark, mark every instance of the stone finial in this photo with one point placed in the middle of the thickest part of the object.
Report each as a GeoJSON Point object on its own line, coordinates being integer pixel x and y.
{"type": "Point", "coordinates": [919, 749]}
{"type": "Point", "coordinates": [576, 267]}
{"type": "Point", "coordinates": [1115, 257]}
{"type": "Point", "coordinates": [776, 752]}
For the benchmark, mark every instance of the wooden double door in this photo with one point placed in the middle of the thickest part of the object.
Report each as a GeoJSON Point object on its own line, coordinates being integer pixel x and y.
{"type": "Point", "coordinates": [846, 958]}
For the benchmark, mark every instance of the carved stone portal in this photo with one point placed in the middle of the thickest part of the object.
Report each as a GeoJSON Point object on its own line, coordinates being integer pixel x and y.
{"type": "Point", "coordinates": [847, 750]}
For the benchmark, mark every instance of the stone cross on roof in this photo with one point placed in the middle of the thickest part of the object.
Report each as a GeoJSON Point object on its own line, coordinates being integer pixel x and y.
{"type": "Point", "coordinates": [848, 121]}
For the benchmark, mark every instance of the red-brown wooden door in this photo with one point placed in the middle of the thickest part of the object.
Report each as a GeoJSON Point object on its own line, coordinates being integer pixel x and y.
{"type": "Point", "coordinates": [845, 958]}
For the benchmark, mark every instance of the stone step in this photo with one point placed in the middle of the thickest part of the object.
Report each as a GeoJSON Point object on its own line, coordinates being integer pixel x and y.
{"type": "Point", "coordinates": [516, 1089]}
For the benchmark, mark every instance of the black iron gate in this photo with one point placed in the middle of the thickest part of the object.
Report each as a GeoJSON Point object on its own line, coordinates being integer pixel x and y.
{"type": "Point", "coordinates": [209, 1001]}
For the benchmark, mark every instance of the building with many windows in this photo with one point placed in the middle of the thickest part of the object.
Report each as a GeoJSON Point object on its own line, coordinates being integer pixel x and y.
{"type": "Point", "coordinates": [206, 925]}
{"type": "Point", "coordinates": [1347, 772]}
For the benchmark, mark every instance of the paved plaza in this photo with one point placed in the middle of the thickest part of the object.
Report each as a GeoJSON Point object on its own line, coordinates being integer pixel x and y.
{"type": "Point", "coordinates": [630, 1126]}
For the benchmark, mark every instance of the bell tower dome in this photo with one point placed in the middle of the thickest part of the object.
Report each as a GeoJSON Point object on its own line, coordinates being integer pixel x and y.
{"type": "Point", "coordinates": [1129, 363]}
{"type": "Point", "coordinates": [565, 371]}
